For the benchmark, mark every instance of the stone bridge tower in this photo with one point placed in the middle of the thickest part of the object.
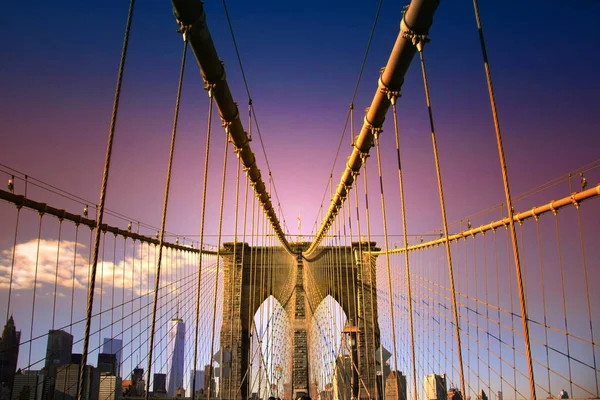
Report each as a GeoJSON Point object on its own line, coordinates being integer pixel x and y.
{"type": "Point", "coordinates": [299, 284]}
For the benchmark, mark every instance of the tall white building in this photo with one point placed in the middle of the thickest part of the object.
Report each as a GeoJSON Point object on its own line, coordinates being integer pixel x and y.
{"type": "Point", "coordinates": [114, 346]}
{"type": "Point", "coordinates": [435, 387]}
{"type": "Point", "coordinates": [176, 354]}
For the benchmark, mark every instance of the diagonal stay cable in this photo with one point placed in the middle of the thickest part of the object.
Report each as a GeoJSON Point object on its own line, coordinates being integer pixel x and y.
{"type": "Point", "coordinates": [164, 216]}
{"type": "Point", "coordinates": [239, 58]}
{"type": "Point", "coordinates": [350, 114]}
{"type": "Point", "coordinates": [100, 215]}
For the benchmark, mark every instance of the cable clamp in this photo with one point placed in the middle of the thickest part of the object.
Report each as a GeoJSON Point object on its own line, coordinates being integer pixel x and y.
{"type": "Point", "coordinates": [375, 130]}
{"type": "Point", "coordinates": [534, 215]}
{"type": "Point", "coordinates": [210, 85]}
{"type": "Point", "coordinates": [574, 201]}
{"type": "Point", "coordinates": [417, 39]}
{"type": "Point", "coordinates": [552, 208]}
{"type": "Point", "coordinates": [184, 30]}
{"type": "Point", "coordinates": [226, 123]}
{"type": "Point", "coordinates": [392, 95]}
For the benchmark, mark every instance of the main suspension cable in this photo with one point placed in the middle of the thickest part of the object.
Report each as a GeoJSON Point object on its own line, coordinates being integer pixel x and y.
{"type": "Point", "coordinates": [509, 206]}
{"type": "Point", "coordinates": [214, 315]}
{"type": "Point", "coordinates": [209, 88]}
{"type": "Point", "coordinates": [420, 45]}
{"type": "Point", "coordinates": [376, 133]}
{"type": "Point", "coordinates": [101, 204]}
{"type": "Point", "coordinates": [251, 110]}
{"type": "Point", "coordinates": [164, 216]}
{"type": "Point", "coordinates": [393, 100]}
{"type": "Point", "coordinates": [350, 114]}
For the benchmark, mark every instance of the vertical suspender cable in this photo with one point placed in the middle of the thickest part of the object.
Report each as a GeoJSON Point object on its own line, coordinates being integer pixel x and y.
{"type": "Point", "coordinates": [393, 98]}
{"type": "Point", "coordinates": [543, 287]}
{"type": "Point", "coordinates": [376, 133]}
{"type": "Point", "coordinates": [234, 264]}
{"type": "Point", "coordinates": [73, 277]}
{"type": "Point", "coordinates": [371, 286]}
{"type": "Point", "coordinates": [60, 221]}
{"type": "Point", "coordinates": [242, 271]}
{"type": "Point", "coordinates": [444, 220]}
{"type": "Point", "coordinates": [164, 218]}
{"type": "Point", "coordinates": [12, 263]}
{"type": "Point", "coordinates": [100, 215]}
{"type": "Point", "coordinates": [509, 206]}
{"type": "Point", "coordinates": [587, 293]}
{"type": "Point", "coordinates": [214, 316]}
{"type": "Point", "coordinates": [37, 259]}
{"type": "Point", "coordinates": [209, 88]}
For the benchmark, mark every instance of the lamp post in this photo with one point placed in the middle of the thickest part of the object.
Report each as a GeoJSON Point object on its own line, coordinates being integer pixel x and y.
{"type": "Point", "coordinates": [351, 330]}
{"type": "Point", "coordinates": [278, 370]}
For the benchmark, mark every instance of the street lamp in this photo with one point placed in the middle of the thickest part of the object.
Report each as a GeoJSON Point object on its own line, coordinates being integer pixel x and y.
{"type": "Point", "coordinates": [278, 375]}
{"type": "Point", "coordinates": [352, 330]}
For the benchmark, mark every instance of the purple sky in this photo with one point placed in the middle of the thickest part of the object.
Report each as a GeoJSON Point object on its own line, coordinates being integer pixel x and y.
{"type": "Point", "coordinates": [302, 62]}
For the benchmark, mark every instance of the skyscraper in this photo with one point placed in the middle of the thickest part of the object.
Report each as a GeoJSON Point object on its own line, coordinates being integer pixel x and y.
{"type": "Point", "coordinates": [114, 346]}
{"type": "Point", "coordinates": [109, 387]}
{"type": "Point", "coordinates": [9, 353]}
{"type": "Point", "coordinates": [67, 382]}
{"type": "Point", "coordinates": [107, 364]}
{"type": "Point", "coordinates": [59, 348]}
{"type": "Point", "coordinates": [27, 385]}
{"type": "Point", "coordinates": [158, 384]}
{"type": "Point", "coordinates": [435, 387]}
{"type": "Point", "coordinates": [176, 355]}
{"type": "Point", "coordinates": [198, 376]}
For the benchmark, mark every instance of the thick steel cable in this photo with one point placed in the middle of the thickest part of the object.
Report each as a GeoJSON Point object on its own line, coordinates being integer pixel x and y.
{"type": "Point", "coordinates": [348, 258]}
{"type": "Point", "coordinates": [73, 278]}
{"type": "Point", "coordinates": [261, 292]}
{"type": "Point", "coordinates": [350, 114]}
{"type": "Point", "coordinates": [376, 134]}
{"type": "Point", "coordinates": [121, 334]}
{"type": "Point", "coordinates": [360, 266]}
{"type": "Point", "coordinates": [37, 258]}
{"type": "Point", "coordinates": [372, 287]}
{"type": "Point", "coordinates": [216, 292]}
{"type": "Point", "coordinates": [60, 221]}
{"type": "Point", "coordinates": [112, 301]}
{"type": "Point", "coordinates": [12, 263]}
{"type": "Point", "coordinates": [251, 310]}
{"type": "Point", "coordinates": [359, 240]}
{"type": "Point", "coordinates": [509, 206]}
{"type": "Point", "coordinates": [164, 216]}
{"type": "Point", "coordinates": [202, 221]}
{"type": "Point", "coordinates": [69, 196]}
{"type": "Point", "coordinates": [234, 268]}
{"type": "Point", "coordinates": [512, 319]}
{"type": "Point", "coordinates": [587, 293]}
{"type": "Point", "coordinates": [251, 110]}
{"type": "Point", "coordinates": [393, 99]}
{"type": "Point", "coordinates": [564, 300]}
{"type": "Point", "coordinates": [476, 308]}
{"type": "Point", "coordinates": [101, 204]}
{"type": "Point", "coordinates": [444, 218]}
{"type": "Point", "coordinates": [101, 287]}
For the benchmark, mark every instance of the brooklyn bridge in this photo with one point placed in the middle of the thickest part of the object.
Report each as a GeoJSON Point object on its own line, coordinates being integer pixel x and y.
{"type": "Point", "coordinates": [462, 268]}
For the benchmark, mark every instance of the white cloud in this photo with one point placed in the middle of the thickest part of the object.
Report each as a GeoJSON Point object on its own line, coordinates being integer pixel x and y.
{"type": "Point", "coordinates": [135, 271]}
